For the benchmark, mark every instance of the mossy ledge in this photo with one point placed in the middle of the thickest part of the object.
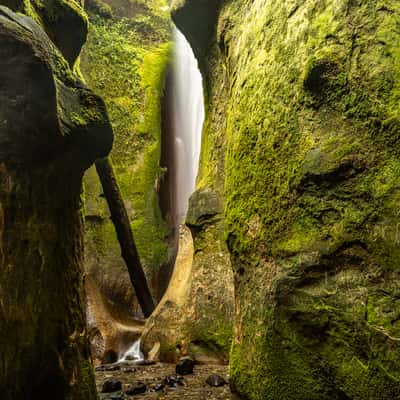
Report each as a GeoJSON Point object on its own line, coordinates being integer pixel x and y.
{"type": "Point", "coordinates": [306, 139]}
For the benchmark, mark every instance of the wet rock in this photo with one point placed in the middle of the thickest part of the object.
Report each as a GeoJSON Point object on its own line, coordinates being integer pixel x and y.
{"type": "Point", "coordinates": [145, 362]}
{"type": "Point", "coordinates": [111, 385]}
{"type": "Point", "coordinates": [136, 388]}
{"type": "Point", "coordinates": [157, 387]}
{"type": "Point", "coordinates": [112, 367]}
{"type": "Point", "coordinates": [185, 366]}
{"type": "Point", "coordinates": [128, 370]}
{"type": "Point", "coordinates": [216, 380]}
{"type": "Point", "coordinates": [173, 381]}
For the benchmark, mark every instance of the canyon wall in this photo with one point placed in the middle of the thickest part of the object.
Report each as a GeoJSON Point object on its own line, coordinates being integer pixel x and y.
{"type": "Point", "coordinates": [125, 60]}
{"type": "Point", "coordinates": [52, 128]}
{"type": "Point", "coordinates": [301, 144]}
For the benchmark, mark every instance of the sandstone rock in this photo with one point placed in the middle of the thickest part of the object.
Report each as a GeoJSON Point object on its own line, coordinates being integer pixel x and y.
{"type": "Point", "coordinates": [195, 308]}
{"type": "Point", "coordinates": [154, 353]}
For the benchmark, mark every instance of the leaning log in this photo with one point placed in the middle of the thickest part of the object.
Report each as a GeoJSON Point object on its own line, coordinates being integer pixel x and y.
{"type": "Point", "coordinates": [120, 219]}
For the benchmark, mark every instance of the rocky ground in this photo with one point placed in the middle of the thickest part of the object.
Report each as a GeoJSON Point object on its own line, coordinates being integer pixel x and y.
{"type": "Point", "coordinates": [162, 382]}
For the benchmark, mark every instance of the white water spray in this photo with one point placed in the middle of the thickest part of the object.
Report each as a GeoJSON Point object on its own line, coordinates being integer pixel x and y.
{"type": "Point", "coordinates": [133, 353]}
{"type": "Point", "coordinates": [187, 120]}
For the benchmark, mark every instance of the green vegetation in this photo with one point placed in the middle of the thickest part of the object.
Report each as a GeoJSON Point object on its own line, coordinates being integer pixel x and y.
{"type": "Point", "coordinates": [125, 61]}
{"type": "Point", "coordinates": [303, 114]}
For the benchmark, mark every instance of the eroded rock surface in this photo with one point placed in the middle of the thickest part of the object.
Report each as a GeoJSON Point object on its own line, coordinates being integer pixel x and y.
{"type": "Point", "coordinates": [302, 132]}
{"type": "Point", "coordinates": [51, 129]}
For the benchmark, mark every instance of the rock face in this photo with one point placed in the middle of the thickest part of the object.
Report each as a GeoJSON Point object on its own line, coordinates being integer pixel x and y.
{"type": "Point", "coordinates": [52, 128]}
{"type": "Point", "coordinates": [194, 315]}
{"type": "Point", "coordinates": [125, 60]}
{"type": "Point", "coordinates": [303, 130]}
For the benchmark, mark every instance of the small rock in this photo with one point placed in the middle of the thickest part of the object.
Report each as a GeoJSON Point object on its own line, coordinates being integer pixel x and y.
{"type": "Point", "coordinates": [216, 380]}
{"type": "Point", "coordinates": [111, 385]}
{"type": "Point", "coordinates": [137, 388]}
{"type": "Point", "coordinates": [185, 366]}
{"type": "Point", "coordinates": [158, 387]}
{"type": "Point", "coordinates": [173, 381]}
{"type": "Point", "coordinates": [112, 368]}
{"type": "Point", "coordinates": [128, 370]}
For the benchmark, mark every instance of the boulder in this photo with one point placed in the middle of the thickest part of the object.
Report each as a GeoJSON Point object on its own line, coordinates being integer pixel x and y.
{"type": "Point", "coordinates": [136, 388]}
{"type": "Point", "coordinates": [185, 366]}
{"type": "Point", "coordinates": [111, 385]}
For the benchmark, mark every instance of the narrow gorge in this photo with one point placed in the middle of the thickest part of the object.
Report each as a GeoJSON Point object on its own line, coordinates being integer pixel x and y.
{"type": "Point", "coordinates": [253, 147]}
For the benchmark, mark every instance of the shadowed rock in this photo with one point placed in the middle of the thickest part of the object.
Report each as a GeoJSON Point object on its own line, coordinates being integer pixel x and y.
{"type": "Point", "coordinates": [51, 129]}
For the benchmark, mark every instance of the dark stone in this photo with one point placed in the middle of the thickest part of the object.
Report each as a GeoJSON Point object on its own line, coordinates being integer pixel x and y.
{"type": "Point", "coordinates": [110, 367]}
{"type": "Point", "coordinates": [216, 380]}
{"type": "Point", "coordinates": [145, 362]}
{"type": "Point", "coordinates": [204, 207]}
{"type": "Point", "coordinates": [137, 388]}
{"type": "Point", "coordinates": [62, 113]}
{"type": "Point", "coordinates": [184, 366]}
{"type": "Point", "coordinates": [109, 357]}
{"type": "Point", "coordinates": [173, 381]}
{"type": "Point", "coordinates": [111, 385]}
{"type": "Point", "coordinates": [49, 123]}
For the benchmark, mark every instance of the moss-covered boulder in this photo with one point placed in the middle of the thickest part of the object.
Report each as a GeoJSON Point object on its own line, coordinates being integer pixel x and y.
{"type": "Point", "coordinates": [307, 134]}
{"type": "Point", "coordinates": [52, 128]}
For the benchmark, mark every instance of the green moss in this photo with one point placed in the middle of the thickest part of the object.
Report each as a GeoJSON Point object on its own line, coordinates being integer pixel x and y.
{"type": "Point", "coordinates": [125, 61]}
{"type": "Point", "coordinates": [303, 114]}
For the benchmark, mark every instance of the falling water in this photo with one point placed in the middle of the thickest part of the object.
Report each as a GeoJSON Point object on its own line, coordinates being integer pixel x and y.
{"type": "Point", "coordinates": [133, 353]}
{"type": "Point", "coordinates": [187, 120]}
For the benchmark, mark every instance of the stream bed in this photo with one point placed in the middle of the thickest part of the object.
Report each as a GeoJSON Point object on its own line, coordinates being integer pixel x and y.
{"type": "Point", "coordinates": [189, 387]}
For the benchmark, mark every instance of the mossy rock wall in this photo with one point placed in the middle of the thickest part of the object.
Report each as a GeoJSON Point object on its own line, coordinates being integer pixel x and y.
{"type": "Point", "coordinates": [308, 137]}
{"type": "Point", "coordinates": [53, 128]}
{"type": "Point", "coordinates": [125, 61]}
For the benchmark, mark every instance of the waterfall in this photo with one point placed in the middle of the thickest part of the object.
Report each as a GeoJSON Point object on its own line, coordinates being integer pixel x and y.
{"type": "Point", "coordinates": [133, 353]}
{"type": "Point", "coordinates": [186, 120]}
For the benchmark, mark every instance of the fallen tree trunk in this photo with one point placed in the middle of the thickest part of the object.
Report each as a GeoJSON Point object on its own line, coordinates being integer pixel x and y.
{"type": "Point", "coordinates": [120, 219]}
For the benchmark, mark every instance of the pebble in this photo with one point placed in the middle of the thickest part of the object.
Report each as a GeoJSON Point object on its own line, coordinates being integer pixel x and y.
{"type": "Point", "coordinates": [216, 380]}
{"type": "Point", "coordinates": [136, 388]}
